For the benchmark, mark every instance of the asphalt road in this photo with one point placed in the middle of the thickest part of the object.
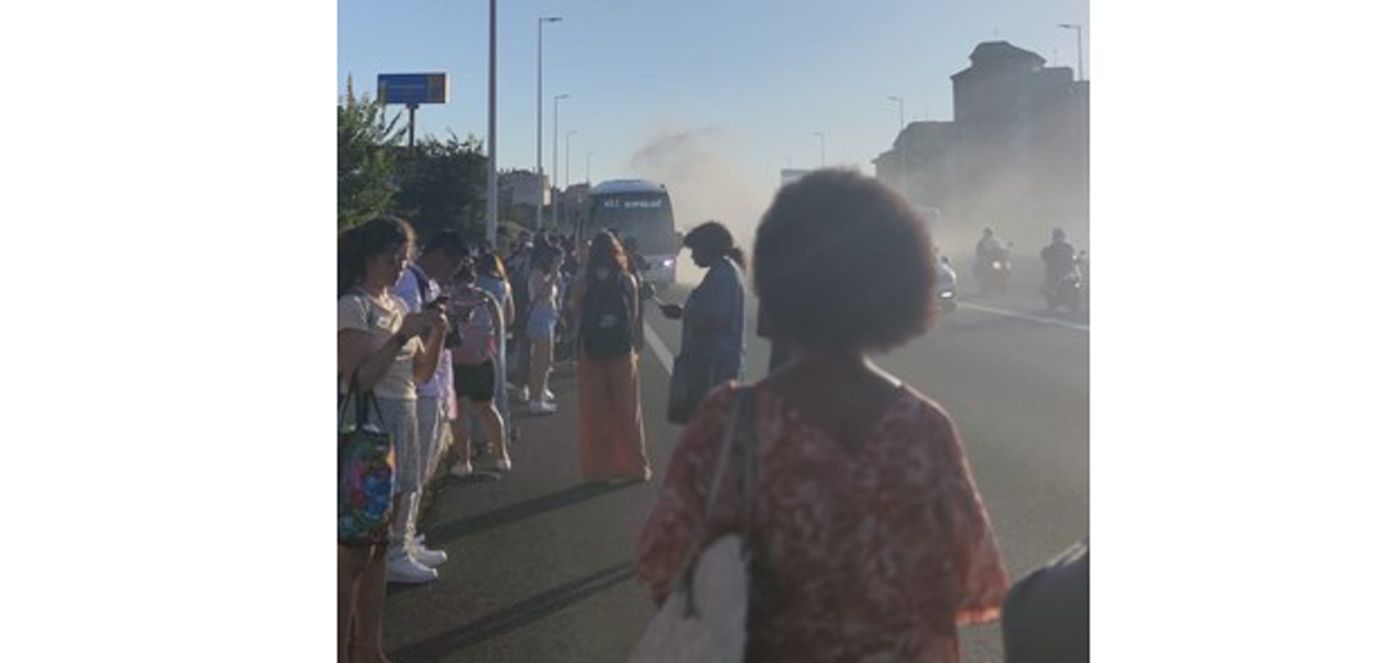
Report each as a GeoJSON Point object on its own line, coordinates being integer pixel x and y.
{"type": "Point", "coordinates": [539, 566]}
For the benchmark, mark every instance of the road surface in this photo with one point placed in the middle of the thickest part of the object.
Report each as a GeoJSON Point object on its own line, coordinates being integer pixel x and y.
{"type": "Point", "coordinates": [539, 566]}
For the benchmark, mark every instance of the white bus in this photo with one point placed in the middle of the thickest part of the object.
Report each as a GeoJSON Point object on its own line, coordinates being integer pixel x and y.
{"type": "Point", "coordinates": [640, 210]}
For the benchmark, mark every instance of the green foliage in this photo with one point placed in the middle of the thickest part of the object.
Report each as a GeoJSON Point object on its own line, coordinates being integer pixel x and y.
{"type": "Point", "coordinates": [442, 185]}
{"type": "Point", "coordinates": [365, 160]}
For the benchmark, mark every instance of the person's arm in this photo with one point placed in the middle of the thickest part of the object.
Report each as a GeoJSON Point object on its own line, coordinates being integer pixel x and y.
{"type": "Point", "coordinates": [494, 309]}
{"type": "Point", "coordinates": [669, 533]}
{"type": "Point", "coordinates": [634, 302]}
{"type": "Point", "coordinates": [980, 580]}
{"type": "Point", "coordinates": [429, 355]}
{"type": "Point", "coordinates": [509, 304]}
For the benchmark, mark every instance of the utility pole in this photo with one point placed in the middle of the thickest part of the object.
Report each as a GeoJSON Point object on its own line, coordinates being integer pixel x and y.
{"type": "Point", "coordinates": [492, 204]}
{"type": "Point", "coordinates": [554, 169]}
{"type": "Point", "coordinates": [903, 150]}
{"type": "Point", "coordinates": [588, 168]}
{"type": "Point", "coordinates": [1078, 44]}
{"type": "Point", "coordinates": [539, 115]}
{"type": "Point", "coordinates": [568, 156]}
{"type": "Point", "coordinates": [822, 136]}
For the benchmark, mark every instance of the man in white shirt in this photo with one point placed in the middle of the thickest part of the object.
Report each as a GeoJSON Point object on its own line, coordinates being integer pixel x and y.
{"type": "Point", "coordinates": [420, 287]}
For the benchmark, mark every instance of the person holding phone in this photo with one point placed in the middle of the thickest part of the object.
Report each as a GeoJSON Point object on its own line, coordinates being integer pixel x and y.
{"type": "Point", "coordinates": [420, 288]}
{"type": "Point", "coordinates": [712, 320]}
{"type": "Point", "coordinates": [384, 349]}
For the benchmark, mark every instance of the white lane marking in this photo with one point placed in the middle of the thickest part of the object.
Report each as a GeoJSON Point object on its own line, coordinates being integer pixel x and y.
{"type": "Point", "coordinates": [659, 347]}
{"type": "Point", "coordinates": [1025, 316]}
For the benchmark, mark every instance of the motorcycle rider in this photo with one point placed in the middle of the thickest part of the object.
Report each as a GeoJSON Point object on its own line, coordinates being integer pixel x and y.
{"type": "Point", "coordinates": [1059, 258]}
{"type": "Point", "coordinates": [989, 248]}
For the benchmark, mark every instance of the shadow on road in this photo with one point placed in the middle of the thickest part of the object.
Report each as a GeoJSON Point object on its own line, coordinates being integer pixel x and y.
{"type": "Point", "coordinates": [511, 513]}
{"type": "Point", "coordinates": [516, 616]}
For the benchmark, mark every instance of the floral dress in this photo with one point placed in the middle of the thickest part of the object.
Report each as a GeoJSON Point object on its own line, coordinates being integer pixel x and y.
{"type": "Point", "coordinates": [870, 554]}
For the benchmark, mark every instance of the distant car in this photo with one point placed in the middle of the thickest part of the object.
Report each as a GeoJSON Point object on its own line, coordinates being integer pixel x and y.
{"type": "Point", "coordinates": [947, 287]}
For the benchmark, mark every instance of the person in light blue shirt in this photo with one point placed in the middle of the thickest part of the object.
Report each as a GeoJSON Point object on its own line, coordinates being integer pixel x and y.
{"type": "Point", "coordinates": [712, 320]}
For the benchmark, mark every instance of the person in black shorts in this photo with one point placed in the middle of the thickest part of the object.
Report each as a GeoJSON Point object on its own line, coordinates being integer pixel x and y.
{"type": "Point", "coordinates": [478, 326]}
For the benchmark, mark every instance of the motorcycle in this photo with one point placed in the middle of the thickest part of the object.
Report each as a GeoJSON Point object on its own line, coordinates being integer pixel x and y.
{"type": "Point", "coordinates": [994, 275]}
{"type": "Point", "coordinates": [1064, 290]}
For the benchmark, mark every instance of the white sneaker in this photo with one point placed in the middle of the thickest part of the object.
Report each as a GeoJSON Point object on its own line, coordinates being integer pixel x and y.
{"type": "Point", "coordinates": [492, 464]}
{"type": "Point", "coordinates": [426, 556]}
{"type": "Point", "coordinates": [523, 394]}
{"type": "Point", "coordinates": [549, 396]}
{"type": "Point", "coordinates": [460, 470]}
{"type": "Point", "coordinates": [540, 407]}
{"type": "Point", "coordinates": [407, 571]}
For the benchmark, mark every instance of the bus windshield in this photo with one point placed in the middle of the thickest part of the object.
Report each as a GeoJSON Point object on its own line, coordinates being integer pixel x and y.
{"type": "Point", "coordinates": [645, 216]}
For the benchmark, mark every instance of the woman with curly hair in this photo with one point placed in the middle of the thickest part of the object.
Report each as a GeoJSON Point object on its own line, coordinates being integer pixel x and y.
{"type": "Point", "coordinates": [869, 537]}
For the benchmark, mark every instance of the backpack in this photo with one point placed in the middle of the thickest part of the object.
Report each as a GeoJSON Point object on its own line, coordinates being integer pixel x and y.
{"type": "Point", "coordinates": [478, 334]}
{"type": "Point", "coordinates": [606, 329]}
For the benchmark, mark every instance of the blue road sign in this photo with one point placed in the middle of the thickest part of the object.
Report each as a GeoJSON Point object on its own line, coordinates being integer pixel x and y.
{"type": "Point", "coordinates": [413, 89]}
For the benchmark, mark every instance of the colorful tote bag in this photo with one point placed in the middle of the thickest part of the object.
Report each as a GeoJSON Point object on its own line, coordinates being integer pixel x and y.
{"type": "Point", "coordinates": [366, 472]}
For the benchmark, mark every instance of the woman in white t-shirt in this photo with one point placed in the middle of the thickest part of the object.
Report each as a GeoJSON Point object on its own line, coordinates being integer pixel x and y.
{"type": "Point", "coordinates": [384, 348]}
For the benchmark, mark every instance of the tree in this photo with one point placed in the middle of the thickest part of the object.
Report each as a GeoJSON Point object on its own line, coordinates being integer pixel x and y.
{"type": "Point", "coordinates": [441, 185]}
{"type": "Point", "coordinates": [365, 161]}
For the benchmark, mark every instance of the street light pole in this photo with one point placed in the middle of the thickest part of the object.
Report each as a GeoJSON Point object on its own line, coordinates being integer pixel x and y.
{"type": "Point", "coordinates": [539, 115]}
{"type": "Point", "coordinates": [588, 168]}
{"type": "Point", "coordinates": [900, 101]}
{"type": "Point", "coordinates": [822, 136]}
{"type": "Point", "coordinates": [554, 169]}
{"type": "Point", "coordinates": [492, 204]}
{"type": "Point", "coordinates": [1078, 44]}
{"type": "Point", "coordinates": [903, 151]}
{"type": "Point", "coordinates": [568, 155]}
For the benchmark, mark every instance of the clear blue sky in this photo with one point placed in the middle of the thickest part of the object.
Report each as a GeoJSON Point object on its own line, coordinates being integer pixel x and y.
{"type": "Point", "coordinates": [758, 76]}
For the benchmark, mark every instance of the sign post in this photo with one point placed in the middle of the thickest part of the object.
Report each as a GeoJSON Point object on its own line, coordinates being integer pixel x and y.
{"type": "Point", "coordinates": [411, 90]}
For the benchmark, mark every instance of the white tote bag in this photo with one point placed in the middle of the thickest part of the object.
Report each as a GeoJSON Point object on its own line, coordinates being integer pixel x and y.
{"type": "Point", "coordinates": [705, 617]}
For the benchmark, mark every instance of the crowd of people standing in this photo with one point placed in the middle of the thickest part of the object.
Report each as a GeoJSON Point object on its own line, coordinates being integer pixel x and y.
{"type": "Point", "coordinates": [867, 534]}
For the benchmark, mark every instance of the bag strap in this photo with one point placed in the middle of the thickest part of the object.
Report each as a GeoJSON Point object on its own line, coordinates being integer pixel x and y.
{"type": "Point", "coordinates": [364, 402]}
{"type": "Point", "coordinates": [739, 415]}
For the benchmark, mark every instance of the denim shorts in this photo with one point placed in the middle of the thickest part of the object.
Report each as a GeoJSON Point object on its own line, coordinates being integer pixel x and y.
{"type": "Point", "coordinates": [541, 325]}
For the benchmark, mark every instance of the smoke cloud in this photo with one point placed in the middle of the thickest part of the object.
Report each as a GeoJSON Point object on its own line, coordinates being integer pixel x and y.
{"type": "Point", "coordinates": [705, 183]}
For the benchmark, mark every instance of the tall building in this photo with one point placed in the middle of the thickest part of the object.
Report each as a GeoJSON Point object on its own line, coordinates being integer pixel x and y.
{"type": "Point", "coordinates": [1015, 153]}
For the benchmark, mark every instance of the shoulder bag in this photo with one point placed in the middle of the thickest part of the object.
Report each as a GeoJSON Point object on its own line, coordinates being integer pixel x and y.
{"type": "Point", "coordinates": [705, 617]}
{"type": "Point", "coordinates": [366, 470]}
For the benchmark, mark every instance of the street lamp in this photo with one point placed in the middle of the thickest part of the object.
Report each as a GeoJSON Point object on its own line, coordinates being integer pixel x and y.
{"type": "Point", "coordinates": [1079, 44]}
{"type": "Point", "coordinates": [539, 114]}
{"type": "Point", "coordinates": [554, 170]}
{"type": "Point", "coordinates": [492, 205]}
{"type": "Point", "coordinates": [568, 155]}
{"type": "Point", "coordinates": [900, 101]}
{"type": "Point", "coordinates": [903, 151]}
{"type": "Point", "coordinates": [822, 136]}
{"type": "Point", "coordinates": [588, 168]}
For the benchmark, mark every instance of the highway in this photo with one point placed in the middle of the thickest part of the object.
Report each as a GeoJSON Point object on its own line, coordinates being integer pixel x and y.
{"type": "Point", "coordinates": [539, 566]}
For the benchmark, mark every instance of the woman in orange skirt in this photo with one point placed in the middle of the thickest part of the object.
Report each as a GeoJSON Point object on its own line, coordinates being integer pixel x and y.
{"type": "Point", "coordinates": [611, 441]}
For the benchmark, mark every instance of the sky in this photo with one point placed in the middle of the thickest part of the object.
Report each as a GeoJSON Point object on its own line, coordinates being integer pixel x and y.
{"type": "Point", "coordinates": [718, 94]}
